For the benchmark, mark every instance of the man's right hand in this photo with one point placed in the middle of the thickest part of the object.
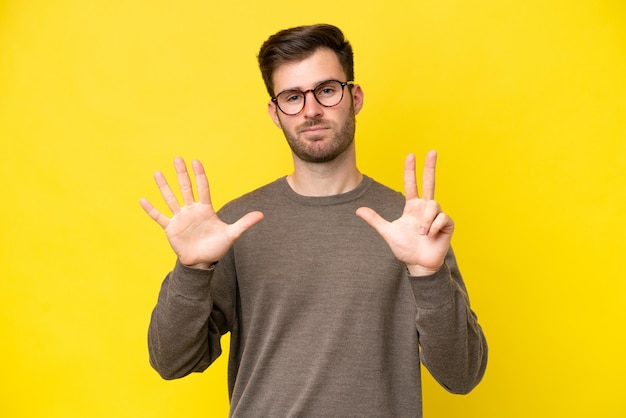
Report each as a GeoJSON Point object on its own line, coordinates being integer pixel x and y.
{"type": "Point", "coordinates": [195, 232]}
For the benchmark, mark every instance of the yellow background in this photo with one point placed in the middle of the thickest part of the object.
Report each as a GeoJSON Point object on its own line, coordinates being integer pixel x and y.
{"type": "Point", "coordinates": [525, 100]}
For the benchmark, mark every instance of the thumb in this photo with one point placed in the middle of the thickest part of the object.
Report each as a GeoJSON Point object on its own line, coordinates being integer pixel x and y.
{"type": "Point", "coordinates": [373, 219]}
{"type": "Point", "coordinates": [244, 223]}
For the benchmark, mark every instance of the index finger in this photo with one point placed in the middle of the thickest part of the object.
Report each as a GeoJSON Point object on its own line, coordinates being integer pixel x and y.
{"type": "Point", "coordinates": [410, 184]}
{"type": "Point", "coordinates": [428, 180]}
{"type": "Point", "coordinates": [202, 183]}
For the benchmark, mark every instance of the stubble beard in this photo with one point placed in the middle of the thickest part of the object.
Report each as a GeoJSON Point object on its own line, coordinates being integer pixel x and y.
{"type": "Point", "coordinates": [319, 150]}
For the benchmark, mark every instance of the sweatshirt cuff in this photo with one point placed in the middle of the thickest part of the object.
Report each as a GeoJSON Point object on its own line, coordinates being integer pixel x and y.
{"type": "Point", "coordinates": [435, 290]}
{"type": "Point", "coordinates": [191, 283]}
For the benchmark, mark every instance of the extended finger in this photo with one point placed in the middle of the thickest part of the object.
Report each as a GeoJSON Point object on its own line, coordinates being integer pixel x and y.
{"type": "Point", "coordinates": [410, 184]}
{"type": "Point", "coordinates": [154, 213]}
{"type": "Point", "coordinates": [428, 180]}
{"type": "Point", "coordinates": [202, 182]}
{"type": "Point", "coordinates": [166, 192]}
{"type": "Point", "coordinates": [184, 182]}
{"type": "Point", "coordinates": [373, 219]}
{"type": "Point", "coordinates": [244, 223]}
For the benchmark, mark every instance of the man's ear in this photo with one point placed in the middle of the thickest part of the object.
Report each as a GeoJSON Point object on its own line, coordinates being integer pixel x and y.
{"type": "Point", "coordinates": [357, 98]}
{"type": "Point", "coordinates": [272, 109]}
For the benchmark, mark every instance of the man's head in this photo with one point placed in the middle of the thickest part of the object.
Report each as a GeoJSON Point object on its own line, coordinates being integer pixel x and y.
{"type": "Point", "coordinates": [307, 71]}
{"type": "Point", "coordinates": [296, 44]}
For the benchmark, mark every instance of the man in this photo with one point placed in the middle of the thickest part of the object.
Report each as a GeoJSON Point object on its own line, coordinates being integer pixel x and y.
{"type": "Point", "coordinates": [329, 305]}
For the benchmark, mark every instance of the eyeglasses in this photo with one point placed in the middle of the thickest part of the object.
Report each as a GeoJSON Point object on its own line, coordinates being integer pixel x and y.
{"type": "Point", "coordinates": [328, 93]}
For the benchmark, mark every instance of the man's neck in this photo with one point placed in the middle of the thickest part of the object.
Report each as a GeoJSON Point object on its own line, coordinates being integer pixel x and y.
{"type": "Point", "coordinates": [324, 179]}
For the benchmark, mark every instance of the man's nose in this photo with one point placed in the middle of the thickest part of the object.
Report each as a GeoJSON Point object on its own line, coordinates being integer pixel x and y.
{"type": "Point", "coordinates": [312, 108]}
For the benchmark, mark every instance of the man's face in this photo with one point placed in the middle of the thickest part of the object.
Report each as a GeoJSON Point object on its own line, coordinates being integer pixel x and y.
{"type": "Point", "coordinates": [317, 134]}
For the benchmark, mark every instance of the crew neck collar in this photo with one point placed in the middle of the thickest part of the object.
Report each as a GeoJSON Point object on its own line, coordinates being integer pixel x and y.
{"type": "Point", "coordinates": [325, 200]}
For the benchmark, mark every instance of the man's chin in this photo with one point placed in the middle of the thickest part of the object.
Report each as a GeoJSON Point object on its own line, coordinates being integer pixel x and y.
{"type": "Point", "coordinates": [317, 155]}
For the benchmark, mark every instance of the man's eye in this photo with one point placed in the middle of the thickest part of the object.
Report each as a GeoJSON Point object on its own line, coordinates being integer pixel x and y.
{"type": "Point", "coordinates": [292, 97]}
{"type": "Point", "coordinates": [326, 91]}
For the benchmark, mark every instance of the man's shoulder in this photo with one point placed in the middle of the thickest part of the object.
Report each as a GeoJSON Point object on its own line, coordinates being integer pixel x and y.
{"type": "Point", "coordinates": [253, 199]}
{"type": "Point", "coordinates": [380, 187]}
{"type": "Point", "coordinates": [380, 191]}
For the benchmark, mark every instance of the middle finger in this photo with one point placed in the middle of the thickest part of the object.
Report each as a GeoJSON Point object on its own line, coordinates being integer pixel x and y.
{"type": "Point", "coordinates": [184, 181]}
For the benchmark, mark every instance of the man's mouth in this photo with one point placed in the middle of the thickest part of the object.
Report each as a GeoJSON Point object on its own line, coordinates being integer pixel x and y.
{"type": "Point", "coordinates": [313, 129]}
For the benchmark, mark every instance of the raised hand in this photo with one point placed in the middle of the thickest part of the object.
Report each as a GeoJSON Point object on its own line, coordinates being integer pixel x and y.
{"type": "Point", "coordinates": [421, 236]}
{"type": "Point", "coordinates": [195, 232]}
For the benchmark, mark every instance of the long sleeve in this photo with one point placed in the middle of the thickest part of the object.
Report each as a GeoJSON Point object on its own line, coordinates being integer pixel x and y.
{"type": "Point", "coordinates": [185, 327]}
{"type": "Point", "coordinates": [323, 320]}
{"type": "Point", "coordinates": [453, 346]}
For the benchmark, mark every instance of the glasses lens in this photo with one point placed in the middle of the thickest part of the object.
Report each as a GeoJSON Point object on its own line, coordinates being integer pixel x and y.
{"type": "Point", "coordinates": [290, 101]}
{"type": "Point", "coordinates": [329, 93]}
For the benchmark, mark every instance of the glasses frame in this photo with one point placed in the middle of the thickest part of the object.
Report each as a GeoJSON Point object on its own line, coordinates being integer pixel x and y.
{"type": "Point", "coordinates": [312, 91]}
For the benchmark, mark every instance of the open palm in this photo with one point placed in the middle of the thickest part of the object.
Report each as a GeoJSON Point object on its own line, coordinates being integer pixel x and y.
{"type": "Point", "coordinates": [195, 232]}
{"type": "Point", "coordinates": [421, 236]}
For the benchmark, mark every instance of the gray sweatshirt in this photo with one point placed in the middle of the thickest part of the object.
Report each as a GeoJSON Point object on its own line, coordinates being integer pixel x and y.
{"type": "Point", "coordinates": [324, 320]}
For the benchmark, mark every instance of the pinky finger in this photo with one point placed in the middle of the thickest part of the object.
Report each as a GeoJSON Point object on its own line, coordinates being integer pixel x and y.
{"type": "Point", "coordinates": [441, 224]}
{"type": "Point", "coordinates": [157, 216]}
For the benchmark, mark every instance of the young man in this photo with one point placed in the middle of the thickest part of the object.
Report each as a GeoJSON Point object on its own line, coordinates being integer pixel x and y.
{"type": "Point", "coordinates": [330, 306]}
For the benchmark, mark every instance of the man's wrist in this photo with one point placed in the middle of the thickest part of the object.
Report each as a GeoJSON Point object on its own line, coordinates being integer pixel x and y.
{"type": "Point", "coordinates": [201, 266]}
{"type": "Point", "coordinates": [416, 270]}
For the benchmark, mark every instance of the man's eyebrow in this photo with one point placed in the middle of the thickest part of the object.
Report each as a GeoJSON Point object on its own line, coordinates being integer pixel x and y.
{"type": "Point", "coordinates": [317, 83]}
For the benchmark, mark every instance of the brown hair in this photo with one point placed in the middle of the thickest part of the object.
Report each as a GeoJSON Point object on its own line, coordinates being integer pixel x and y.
{"type": "Point", "coordinates": [295, 44]}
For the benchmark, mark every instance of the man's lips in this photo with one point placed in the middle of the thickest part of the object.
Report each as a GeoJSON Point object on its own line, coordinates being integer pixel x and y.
{"type": "Point", "coordinates": [313, 129]}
